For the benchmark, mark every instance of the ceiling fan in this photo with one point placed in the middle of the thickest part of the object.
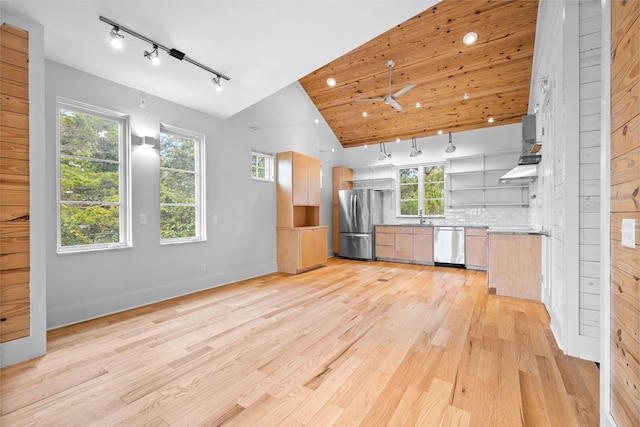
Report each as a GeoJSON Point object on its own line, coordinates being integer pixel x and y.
{"type": "Point", "coordinates": [391, 99]}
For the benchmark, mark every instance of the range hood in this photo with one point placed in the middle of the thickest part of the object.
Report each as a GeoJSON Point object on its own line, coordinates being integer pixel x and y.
{"type": "Point", "coordinates": [527, 170]}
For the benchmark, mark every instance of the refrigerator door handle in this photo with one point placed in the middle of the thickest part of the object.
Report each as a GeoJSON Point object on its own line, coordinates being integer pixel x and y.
{"type": "Point", "coordinates": [355, 211]}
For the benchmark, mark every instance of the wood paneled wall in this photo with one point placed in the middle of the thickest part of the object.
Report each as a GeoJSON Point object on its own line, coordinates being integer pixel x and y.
{"type": "Point", "coordinates": [625, 203]}
{"type": "Point", "coordinates": [14, 184]}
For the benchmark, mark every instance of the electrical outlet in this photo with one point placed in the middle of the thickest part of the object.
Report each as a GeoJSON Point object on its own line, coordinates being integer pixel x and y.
{"type": "Point", "coordinates": [203, 267]}
{"type": "Point", "coordinates": [215, 217]}
{"type": "Point", "coordinates": [143, 102]}
{"type": "Point", "coordinates": [628, 233]}
{"type": "Point", "coordinates": [143, 219]}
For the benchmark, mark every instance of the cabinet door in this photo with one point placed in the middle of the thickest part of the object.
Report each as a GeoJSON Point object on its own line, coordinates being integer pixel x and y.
{"type": "Point", "coordinates": [313, 175]}
{"type": "Point", "coordinates": [476, 247]}
{"type": "Point", "coordinates": [300, 182]}
{"type": "Point", "coordinates": [313, 247]}
{"type": "Point", "coordinates": [423, 247]}
{"type": "Point", "coordinates": [403, 244]}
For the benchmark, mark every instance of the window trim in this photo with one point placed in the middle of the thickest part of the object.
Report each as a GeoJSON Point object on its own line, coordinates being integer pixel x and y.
{"type": "Point", "coordinates": [421, 184]}
{"type": "Point", "coordinates": [200, 184]}
{"type": "Point", "coordinates": [271, 158]}
{"type": "Point", "coordinates": [124, 170]}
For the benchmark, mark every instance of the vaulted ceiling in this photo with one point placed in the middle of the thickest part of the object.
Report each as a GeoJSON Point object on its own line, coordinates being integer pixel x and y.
{"type": "Point", "coordinates": [428, 51]}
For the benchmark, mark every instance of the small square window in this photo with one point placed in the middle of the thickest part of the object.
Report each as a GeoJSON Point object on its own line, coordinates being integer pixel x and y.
{"type": "Point", "coordinates": [261, 166]}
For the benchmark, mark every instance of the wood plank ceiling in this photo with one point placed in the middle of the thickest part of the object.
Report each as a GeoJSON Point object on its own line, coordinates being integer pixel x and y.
{"type": "Point", "coordinates": [428, 51]}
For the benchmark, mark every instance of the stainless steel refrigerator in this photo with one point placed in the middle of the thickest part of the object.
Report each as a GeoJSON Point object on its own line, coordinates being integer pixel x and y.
{"type": "Point", "coordinates": [360, 210]}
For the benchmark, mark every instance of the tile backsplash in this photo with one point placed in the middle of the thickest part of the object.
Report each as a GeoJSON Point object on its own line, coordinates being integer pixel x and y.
{"type": "Point", "coordinates": [490, 216]}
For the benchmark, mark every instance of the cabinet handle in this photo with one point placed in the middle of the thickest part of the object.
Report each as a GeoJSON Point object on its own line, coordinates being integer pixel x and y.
{"type": "Point", "coordinates": [4, 319]}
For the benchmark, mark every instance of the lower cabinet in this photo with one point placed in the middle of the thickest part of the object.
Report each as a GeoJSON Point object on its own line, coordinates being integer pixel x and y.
{"type": "Point", "coordinates": [385, 242]}
{"type": "Point", "coordinates": [405, 244]}
{"type": "Point", "coordinates": [515, 266]}
{"type": "Point", "coordinates": [423, 244]}
{"type": "Point", "coordinates": [476, 248]}
{"type": "Point", "coordinates": [301, 248]}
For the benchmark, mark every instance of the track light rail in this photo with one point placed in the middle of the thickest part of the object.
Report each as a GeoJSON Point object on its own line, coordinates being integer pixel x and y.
{"type": "Point", "coordinates": [172, 52]}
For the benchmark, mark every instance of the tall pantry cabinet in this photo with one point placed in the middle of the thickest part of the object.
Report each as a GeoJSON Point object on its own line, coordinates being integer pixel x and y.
{"type": "Point", "coordinates": [302, 241]}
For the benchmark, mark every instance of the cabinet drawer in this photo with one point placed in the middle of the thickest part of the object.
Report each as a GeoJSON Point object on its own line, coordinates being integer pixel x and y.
{"type": "Point", "coordinates": [423, 230]}
{"type": "Point", "coordinates": [384, 252]}
{"type": "Point", "coordinates": [384, 239]}
{"type": "Point", "coordinates": [384, 229]}
{"type": "Point", "coordinates": [404, 230]}
{"type": "Point", "coordinates": [472, 231]}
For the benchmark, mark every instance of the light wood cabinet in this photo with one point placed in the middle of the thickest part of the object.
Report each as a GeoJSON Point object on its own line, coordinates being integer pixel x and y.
{"type": "Point", "coordinates": [515, 265]}
{"type": "Point", "coordinates": [385, 242]}
{"type": "Point", "coordinates": [302, 241]}
{"type": "Point", "coordinates": [342, 180]}
{"type": "Point", "coordinates": [404, 244]}
{"type": "Point", "coordinates": [423, 244]}
{"type": "Point", "coordinates": [476, 248]}
{"type": "Point", "coordinates": [301, 249]}
{"type": "Point", "coordinates": [306, 179]}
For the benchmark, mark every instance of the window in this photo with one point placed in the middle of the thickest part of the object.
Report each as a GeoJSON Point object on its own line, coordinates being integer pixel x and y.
{"type": "Point", "coordinates": [93, 178]}
{"type": "Point", "coordinates": [261, 166]}
{"type": "Point", "coordinates": [421, 188]}
{"type": "Point", "coordinates": [181, 185]}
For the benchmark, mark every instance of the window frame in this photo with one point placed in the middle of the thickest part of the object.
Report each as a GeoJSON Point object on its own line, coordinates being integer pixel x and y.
{"type": "Point", "coordinates": [200, 183]}
{"type": "Point", "coordinates": [421, 189]}
{"type": "Point", "coordinates": [124, 176]}
{"type": "Point", "coordinates": [271, 162]}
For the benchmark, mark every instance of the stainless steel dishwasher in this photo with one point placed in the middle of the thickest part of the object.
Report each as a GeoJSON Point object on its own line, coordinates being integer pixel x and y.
{"type": "Point", "coordinates": [448, 245]}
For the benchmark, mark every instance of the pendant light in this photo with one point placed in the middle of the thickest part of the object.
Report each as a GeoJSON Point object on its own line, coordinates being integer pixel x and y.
{"type": "Point", "coordinates": [383, 152]}
{"type": "Point", "coordinates": [414, 148]}
{"type": "Point", "coordinates": [450, 148]}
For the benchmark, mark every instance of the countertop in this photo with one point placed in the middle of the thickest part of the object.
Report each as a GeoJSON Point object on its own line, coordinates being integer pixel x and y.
{"type": "Point", "coordinates": [433, 225]}
{"type": "Point", "coordinates": [491, 229]}
{"type": "Point", "coordinates": [514, 230]}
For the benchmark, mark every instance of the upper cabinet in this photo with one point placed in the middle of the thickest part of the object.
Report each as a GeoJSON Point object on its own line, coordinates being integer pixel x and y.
{"type": "Point", "coordinates": [306, 179]}
{"type": "Point", "coordinates": [298, 190]}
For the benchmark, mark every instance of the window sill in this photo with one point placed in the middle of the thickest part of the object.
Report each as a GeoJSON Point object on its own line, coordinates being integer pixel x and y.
{"type": "Point", "coordinates": [181, 241]}
{"type": "Point", "coordinates": [89, 249]}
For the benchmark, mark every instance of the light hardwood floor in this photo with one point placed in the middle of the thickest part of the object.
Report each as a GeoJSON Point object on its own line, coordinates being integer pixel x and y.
{"type": "Point", "coordinates": [353, 343]}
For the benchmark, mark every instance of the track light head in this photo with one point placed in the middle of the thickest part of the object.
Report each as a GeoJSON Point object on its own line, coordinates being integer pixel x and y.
{"type": "Point", "coordinates": [450, 148]}
{"type": "Point", "coordinates": [217, 81]}
{"type": "Point", "coordinates": [414, 148]}
{"type": "Point", "coordinates": [383, 152]}
{"type": "Point", "coordinates": [153, 55]}
{"type": "Point", "coordinates": [115, 38]}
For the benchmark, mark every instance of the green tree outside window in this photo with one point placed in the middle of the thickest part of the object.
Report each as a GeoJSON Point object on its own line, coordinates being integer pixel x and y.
{"type": "Point", "coordinates": [179, 185]}
{"type": "Point", "coordinates": [421, 187]}
{"type": "Point", "coordinates": [90, 171]}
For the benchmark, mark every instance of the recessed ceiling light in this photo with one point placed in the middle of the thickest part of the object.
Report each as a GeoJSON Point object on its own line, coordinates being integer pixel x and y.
{"type": "Point", "coordinates": [365, 145]}
{"type": "Point", "coordinates": [418, 105]}
{"type": "Point", "coordinates": [470, 38]}
{"type": "Point", "coordinates": [439, 132]}
{"type": "Point", "coordinates": [397, 139]}
{"type": "Point", "coordinates": [364, 114]}
{"type": "Point", "coordinates": [490, 120]}
{"type": "Point", "coordinates": [331, 81]}
{"type": "Point", "coordinates": [317, 121]}
{"type": "Point", "coordinates": [465, 96]}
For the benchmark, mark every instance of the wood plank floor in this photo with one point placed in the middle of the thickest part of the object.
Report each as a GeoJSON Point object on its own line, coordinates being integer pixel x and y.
{"type": "Point", "coordinates": [353, 343]}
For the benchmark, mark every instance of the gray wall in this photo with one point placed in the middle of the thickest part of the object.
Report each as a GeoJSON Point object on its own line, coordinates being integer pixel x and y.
{"type": "Point", "coordinates": [240, 244]}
